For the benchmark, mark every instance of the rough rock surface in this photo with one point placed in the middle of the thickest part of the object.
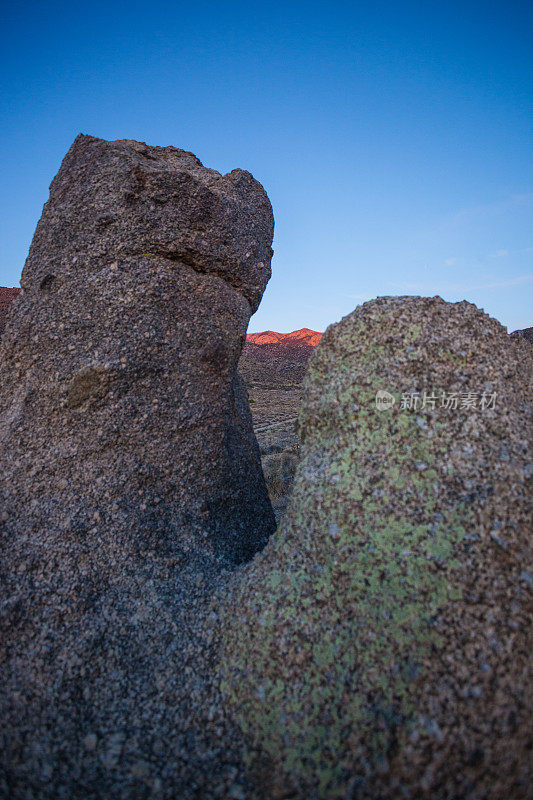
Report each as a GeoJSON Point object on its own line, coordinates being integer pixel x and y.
{"type": "Point", "coordinates": [380, 645]}
{"type": "Point", "coordinates": [119, 391]}
{"type": "Point", "coordinates": [525, 333]}
{"type": "Point", "coordinates": [130, 475]}
{"type": "Point", "coordinates": [7, 295]}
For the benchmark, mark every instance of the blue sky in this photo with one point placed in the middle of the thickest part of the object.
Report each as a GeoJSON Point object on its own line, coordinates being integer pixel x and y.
{"type": "Point", "coordinates": [394, 138]}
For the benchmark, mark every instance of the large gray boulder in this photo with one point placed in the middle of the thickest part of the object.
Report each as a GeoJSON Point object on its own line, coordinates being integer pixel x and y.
{"type": "Point", "coordinates": [120, 405]}
{"type": "Point", "coordinates": [380, 645]}
{"type": "Point", "coordinates": [130, 478]}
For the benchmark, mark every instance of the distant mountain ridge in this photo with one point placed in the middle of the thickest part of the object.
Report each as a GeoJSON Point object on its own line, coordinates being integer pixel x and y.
{"type": "Point", "coordinates": [303, 336]}
{"type": "Point", "coordinates": [7, 295]}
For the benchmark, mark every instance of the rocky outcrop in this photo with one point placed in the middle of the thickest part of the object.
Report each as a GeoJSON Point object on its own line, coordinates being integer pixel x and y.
{"type": "Point", "coordinates": [380, 645]}
{"type": "Point", "coordinates": [7, 295]}
{"type": "Point", "coordinates": [119, 393]}
{"type": "Point", "coordinates": [130, 475]}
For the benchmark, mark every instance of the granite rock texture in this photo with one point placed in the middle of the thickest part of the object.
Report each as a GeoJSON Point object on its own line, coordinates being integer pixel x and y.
{"type": "Point", "coordinates": [380, 645]}
{"type": "Point", "coordinates": [130, 475]}
{"type": "Point", "coordinates": [119, 395]}
{"type": "Point", "coordinates": [7, 295]}
{"type": "Point", "coordinates": [525, 333]}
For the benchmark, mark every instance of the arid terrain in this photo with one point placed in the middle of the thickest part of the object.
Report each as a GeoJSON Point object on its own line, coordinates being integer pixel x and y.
{"type": "Point", "coordinates": [273, 366]}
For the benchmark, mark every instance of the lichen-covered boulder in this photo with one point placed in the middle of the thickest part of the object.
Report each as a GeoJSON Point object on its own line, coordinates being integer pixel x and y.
{"type": "Point", "coordinates": [380, 645]}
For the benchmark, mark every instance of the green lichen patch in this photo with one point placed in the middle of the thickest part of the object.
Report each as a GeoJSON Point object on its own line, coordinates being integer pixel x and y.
{"type": "Point", "coordinates": [353, 606]}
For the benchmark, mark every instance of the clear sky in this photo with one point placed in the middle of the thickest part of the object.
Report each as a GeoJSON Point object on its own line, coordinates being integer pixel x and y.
{"type": "Point", "coordinates": [394, 138]}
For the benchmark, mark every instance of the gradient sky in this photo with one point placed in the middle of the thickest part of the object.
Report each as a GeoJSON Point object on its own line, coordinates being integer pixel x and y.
{"type": "Point", "coordinates": [394, 138]}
